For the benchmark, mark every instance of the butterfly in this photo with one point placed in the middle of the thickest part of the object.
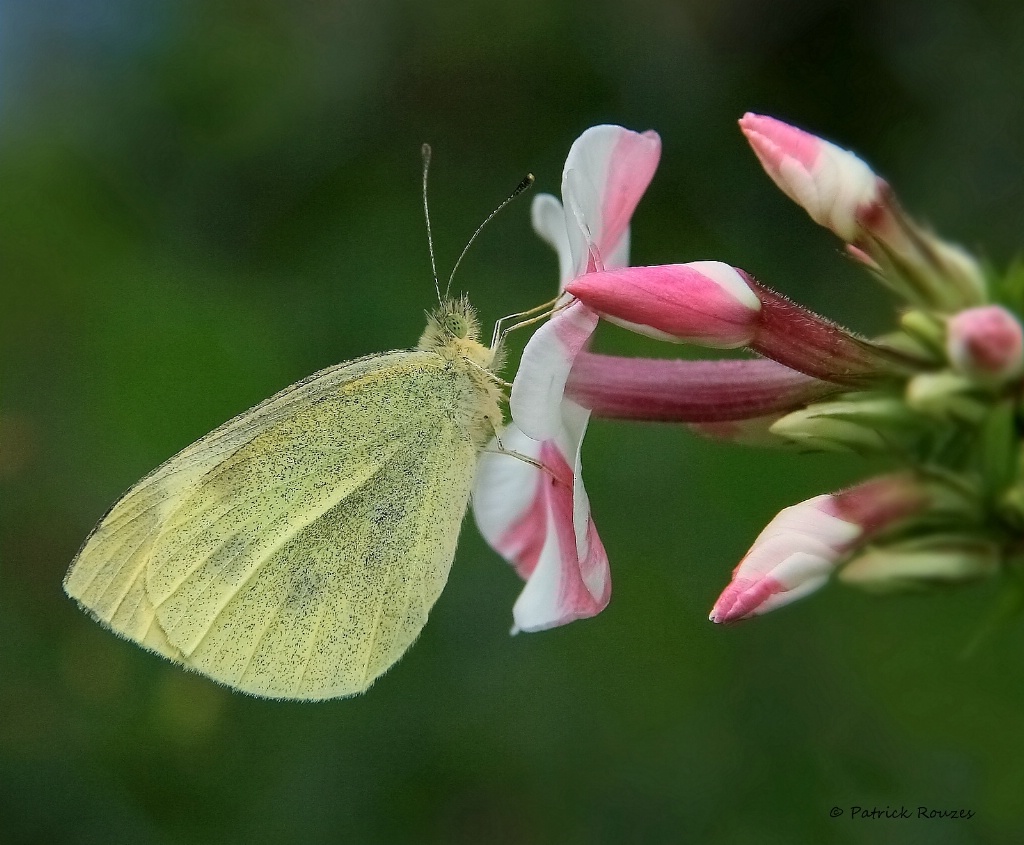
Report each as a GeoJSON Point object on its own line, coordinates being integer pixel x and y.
{"type": "Point", "coordinates": [296, 551]}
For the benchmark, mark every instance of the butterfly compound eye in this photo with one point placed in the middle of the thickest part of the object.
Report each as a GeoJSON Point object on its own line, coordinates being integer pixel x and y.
{"type": "Point", "coordinates": [456, 325]}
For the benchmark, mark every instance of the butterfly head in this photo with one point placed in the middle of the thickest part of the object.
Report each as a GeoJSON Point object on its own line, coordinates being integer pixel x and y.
{"type": "Point", "coordinates": [453, 327]}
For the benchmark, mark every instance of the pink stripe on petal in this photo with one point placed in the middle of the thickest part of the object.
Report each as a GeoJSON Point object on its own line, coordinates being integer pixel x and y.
{"type": "Point", "coordinates": [774, 141]}
{"type": "Point", "coordinates": [790, 595]}
{"type": "Point", "coordinates": [575, 598]}
{"type": "Point", "coordinates": [742, 598]}
{"type": "Point", "coordinates": [505, 501]}
{"type": "Point", "coordinates": [523, 542]}
{"type": "Point", "coordinates": [630, 170]}
{"type": "Point", "coordinates": [606, 172]}
{"type": "Point", "coordinates": [557, 591]}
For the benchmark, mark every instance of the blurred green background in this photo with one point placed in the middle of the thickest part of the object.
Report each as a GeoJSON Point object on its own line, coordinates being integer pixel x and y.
{"type": "Point", "coordinates": [203, 202]}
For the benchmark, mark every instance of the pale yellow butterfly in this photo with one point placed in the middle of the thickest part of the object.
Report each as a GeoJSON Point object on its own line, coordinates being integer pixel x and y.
{"type": "Point", "coordinates": [296, 551]}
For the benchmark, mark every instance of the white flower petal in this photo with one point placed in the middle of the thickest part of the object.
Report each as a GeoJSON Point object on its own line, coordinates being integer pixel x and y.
{"type": "Point", "coordinates": [544, 369]}
{"type": "Point", "coordinates": [548, 221]}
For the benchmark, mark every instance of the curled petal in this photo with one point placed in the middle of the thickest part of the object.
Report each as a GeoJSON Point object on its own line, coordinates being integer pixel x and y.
{"type": "Point", "coordinates": [548, 220]}
{"type": "Point", "coordinates": [544, 369]}
{"type": "Point", "coordinates": [705, 302]}
{"type": "Point", "coordinates": [571, 579]}
{"type": "Point", "coordinates": [830, 183]}
{"type": "Point", "coordinates": [606, 173]}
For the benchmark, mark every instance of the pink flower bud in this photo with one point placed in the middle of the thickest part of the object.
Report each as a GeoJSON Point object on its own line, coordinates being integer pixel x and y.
{"type": "Point", "coordinates": [985, 342]}
{"type": "Point", "coordinates": [798, 550]}
{"type": "Point", "coordinates": [830, 183]}
{"type": "Point", "coordinates": [842, 193]}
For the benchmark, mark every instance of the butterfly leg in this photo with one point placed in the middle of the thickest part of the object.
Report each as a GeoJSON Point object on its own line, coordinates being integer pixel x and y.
{"type": "Point", "coordinates": [501, 450]}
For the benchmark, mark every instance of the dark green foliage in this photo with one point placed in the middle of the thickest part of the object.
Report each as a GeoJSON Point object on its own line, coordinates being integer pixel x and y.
{"type": "Point", "coordinates": [202, 203]}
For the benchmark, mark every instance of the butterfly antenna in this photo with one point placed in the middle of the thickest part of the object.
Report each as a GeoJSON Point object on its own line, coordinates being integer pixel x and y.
{"type": "Point", "coordinates": [520, 188]}
{"type": "Point", "coordinates": [426, 152]}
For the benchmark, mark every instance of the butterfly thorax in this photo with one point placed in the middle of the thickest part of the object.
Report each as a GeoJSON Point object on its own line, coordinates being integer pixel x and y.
{"type": "Point", "coordinates": [452, 332]}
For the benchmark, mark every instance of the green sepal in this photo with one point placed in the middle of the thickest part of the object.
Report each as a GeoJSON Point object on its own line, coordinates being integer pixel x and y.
{"type": "Point", "coordinates": [998, 449]}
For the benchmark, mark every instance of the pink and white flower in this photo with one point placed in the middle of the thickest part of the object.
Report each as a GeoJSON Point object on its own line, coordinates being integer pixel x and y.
{"type": "Point", "coordinates": [538, 516]}
{"type": "Point", "coordinates": [800, 548]}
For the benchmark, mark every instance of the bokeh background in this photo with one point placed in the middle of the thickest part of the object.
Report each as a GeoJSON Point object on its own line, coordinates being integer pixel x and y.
{"type": "Point", "coordinates": [201, 203]}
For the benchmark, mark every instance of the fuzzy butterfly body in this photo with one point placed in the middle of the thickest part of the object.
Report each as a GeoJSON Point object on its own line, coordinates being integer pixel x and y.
{"type": "Point", "coordinates": [296, 551]}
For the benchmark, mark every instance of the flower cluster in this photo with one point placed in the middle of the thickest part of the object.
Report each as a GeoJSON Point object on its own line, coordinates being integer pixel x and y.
{"type": "Point", "coordinates": [940, 394]}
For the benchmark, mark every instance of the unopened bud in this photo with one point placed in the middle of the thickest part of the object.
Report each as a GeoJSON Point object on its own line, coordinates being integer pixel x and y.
{"type": "Point", "coordinates": [858, 424]}
{"type": "Point", "coordinates": [946, 395]}
{"type": "Point", "coordinates": [986, 343]}
{"type": "Point", "coordinates": [1011, 507]}
{"type": "Point", "coordinates": [831, 183]}
{"type": "Point", "coordinates": [703, 302]}
{"type": "Point", "coordinates": [917, 263]}
{"type": "Point", "coordinates": [925, 329]}
{"type": "Point", "coordinates": [922, 562]}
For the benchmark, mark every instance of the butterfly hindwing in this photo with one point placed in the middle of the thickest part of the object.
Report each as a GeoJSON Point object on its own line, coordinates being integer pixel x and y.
{"type": "Point", "coordinates": [296, 551]}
